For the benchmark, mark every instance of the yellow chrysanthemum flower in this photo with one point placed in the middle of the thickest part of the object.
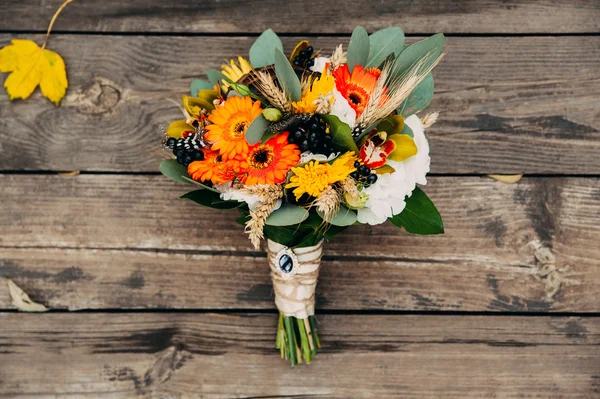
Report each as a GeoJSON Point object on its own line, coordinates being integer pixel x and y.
{"type": "Point", "coordinates": [319, 87]}
{"type": "Point", "coordinates": [313, 177]}
{"type": "Point", "coordinates": [235, 72]}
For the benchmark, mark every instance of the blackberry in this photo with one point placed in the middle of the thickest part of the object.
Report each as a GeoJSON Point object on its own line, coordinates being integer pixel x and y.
{"type": "Point", "coordinates": [187, 150]}
{"type": "Point", "coordinates": [311, 134]}
{"type": "Point", "coordinates": [305, 58]}
{"type": "Point", "coordinates": [363, 174]}
{"type": "Point", "coordinates": [371, 179]}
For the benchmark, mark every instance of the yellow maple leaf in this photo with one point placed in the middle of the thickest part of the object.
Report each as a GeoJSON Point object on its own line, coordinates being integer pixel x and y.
{"type": "Point", "coordinates": [30, 66]}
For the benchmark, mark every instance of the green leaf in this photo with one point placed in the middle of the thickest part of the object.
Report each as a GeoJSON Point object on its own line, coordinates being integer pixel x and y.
{"type": "Point", "coordinates": [211, 200]}
{"type": "Point", "coordinates": [344, 217]}
{"type": "Point", "coordinates": [383, 43]}
{"type": "Point", "coordinates": [215, 76]}
{"type": "Point", "coordinates": [286, 76]}
{"type": "Point", "coordinates": [408, 131]}
{"type": "Point", "coordinates": [256, 129]}
{"type": "Point", "coordinates": [419, 216]}
{"type": "Point", "coordinates": [415, 51]}
{"type": "Point", "coordinates": [175, 171]}
{"type": "Point", "coordinates": [200, 84]}
{"type": "Point", "coordinates": [204, 186]}
{"type": "Point", "coordinates": [262, 51]}
{"type": "Point", "coordinates": [358, 49]}
{"type": "Point", "coordinates": [419, 98]}
{"type": "Point", "coordinates": [341, 134]}
{"type": "Point", "coordinates": [287, 215]}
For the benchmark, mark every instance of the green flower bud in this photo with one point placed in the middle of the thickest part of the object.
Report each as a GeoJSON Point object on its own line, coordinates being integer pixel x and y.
{"type": "Point", "coordinates": [356, 203]}
{"type": "Point", "coordinates": [272, 114]}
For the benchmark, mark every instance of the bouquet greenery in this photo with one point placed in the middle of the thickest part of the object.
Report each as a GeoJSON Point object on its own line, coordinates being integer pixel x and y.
{"type": "Point", "coordinates": [305, 146]}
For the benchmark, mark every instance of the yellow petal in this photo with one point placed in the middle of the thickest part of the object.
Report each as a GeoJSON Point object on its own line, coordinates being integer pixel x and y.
{"type": "Point", "coordinates": [405, 147]}
{"type": "Point", "coordinates": [384, 169]}
{"type": "Point", "coordinates": [54, 77]}
{"type": "Point", "coordinates": [177, 128]}
{"type": "Point", "coordinates": [237, 70]}
{"type": "Point", "coordinates": [244, 64]}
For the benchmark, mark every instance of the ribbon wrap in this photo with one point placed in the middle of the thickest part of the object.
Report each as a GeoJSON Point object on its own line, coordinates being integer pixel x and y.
{"type": "Point", "coordinates": [295, 291]}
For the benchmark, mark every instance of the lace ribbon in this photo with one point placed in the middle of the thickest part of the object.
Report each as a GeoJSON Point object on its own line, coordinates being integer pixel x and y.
{"type": "Point", "coordinates": [295, 295]}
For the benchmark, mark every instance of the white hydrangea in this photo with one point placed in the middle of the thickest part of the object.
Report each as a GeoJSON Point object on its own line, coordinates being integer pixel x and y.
{"type": "Point", "coordinates": [231, 193]}
{"type": "Point", "coordinates": [308, 156]}
{"type": "Point", "coordinates": [342, 109]}
{"type": "Point", "coordinates": [320, 63]}
{"type": "Point", "coordinates": [386, 196]}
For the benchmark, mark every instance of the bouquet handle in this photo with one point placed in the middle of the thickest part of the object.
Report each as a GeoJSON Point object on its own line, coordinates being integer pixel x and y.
{"type": "Point", "coordinates": [294, 273]}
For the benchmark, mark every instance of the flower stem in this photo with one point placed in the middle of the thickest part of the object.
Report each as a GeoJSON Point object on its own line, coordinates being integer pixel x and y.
{"type": "Point", "coordinates": [311, 319]}
{"type": "Point", "coordinates": [303, 340]}
{"type": "Point", "coordinates": [289, 330]}
{"type": "Point", "coordinates": [54, 20]}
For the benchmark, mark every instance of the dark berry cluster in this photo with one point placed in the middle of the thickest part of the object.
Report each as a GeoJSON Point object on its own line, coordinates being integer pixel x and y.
{"type": "Point", "coordinates": [305, 58]}
{"type": "Point", "coordinates": [363, 174]}
{"type": "Point", "coordinates": [187, 150]}
{"type": "Point", "coordinates": [313, 136]}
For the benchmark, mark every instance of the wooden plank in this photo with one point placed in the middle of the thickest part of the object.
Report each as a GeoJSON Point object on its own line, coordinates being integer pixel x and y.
{"type": "Point", "coordinates": [312, 16]}
{"type": "Point", "coordinates": [232, 356]}
{"type": "Point", "coordinates": [110, 241]}
{"type": "Point", "coordinates": [508, 104]}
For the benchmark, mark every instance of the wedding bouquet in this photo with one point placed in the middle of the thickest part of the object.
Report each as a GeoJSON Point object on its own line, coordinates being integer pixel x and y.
{"type": "Point", "coordinates": [304, 147]}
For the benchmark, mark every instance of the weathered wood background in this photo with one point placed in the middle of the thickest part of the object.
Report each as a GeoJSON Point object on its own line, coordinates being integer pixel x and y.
{"type": "Point", "coordinates": [174, 303]}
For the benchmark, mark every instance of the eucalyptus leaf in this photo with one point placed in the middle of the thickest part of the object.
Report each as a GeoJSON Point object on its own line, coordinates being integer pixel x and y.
{"type": "Point", "coordinates": [287, 215]}
{"type": "Point", "coordinates": [383, 43]}
{"type": "Point", "coordinates": [419, 98]}
{"type": "Point", "coordinates": [262, 51]}
{"type": "Point", "coordinates": [215, 76]}
{"type": "Point", "coordinates": [268, 135]}
{"type": "Point", "coordinates": [408, 131]}
{"type": "Point", "coordinates": [341, 134]}
{"type": "Point", "coordinates": [415, 51]}
{"type": "Point", "coordinates": [210, 199]}
{"type": "Point", "coordinates": [358, 49]}
{"type": "Point", "coordinates": [344, 217]}
{"type": "Point", "coordinates": [257, 129]}
{"type": "Point", "coordinates": [286, 76]}
{"type": "Point", "coordinates": [419, 216]}
{"type": "Point", "coordinates": [200, 84]}
{"type": "Point", "coordinates": [175, 171]}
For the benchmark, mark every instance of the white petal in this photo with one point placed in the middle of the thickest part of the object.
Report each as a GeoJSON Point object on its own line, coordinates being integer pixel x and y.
{"type": "Point", "coordinates": [320, 63]}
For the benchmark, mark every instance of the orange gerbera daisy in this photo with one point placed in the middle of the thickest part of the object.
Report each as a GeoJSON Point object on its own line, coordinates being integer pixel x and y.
{"type": "Point", "coordinates": [358, 87]}
{"type": "Point", "coordinates": [268, 163]}
{"type": "Point", "coordinates": [212, 168]}
{"type": "Point", "coordinates": [230, 122]}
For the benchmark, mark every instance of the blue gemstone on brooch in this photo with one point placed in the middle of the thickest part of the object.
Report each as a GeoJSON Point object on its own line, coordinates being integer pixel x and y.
{"type": "Point", "coordinates": [286, 263]}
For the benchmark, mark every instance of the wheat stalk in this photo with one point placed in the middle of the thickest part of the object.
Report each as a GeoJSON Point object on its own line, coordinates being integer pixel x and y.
{"type": "Point", "coordinates": [328, 203]}
{"type": "Point", "coordinates": [338, 58]}
{"type": "Point", "coordinates": [397, 89]}
{"type": "Point", "coordinates": [430, 119]}
{"type": "Point", "coordinates": [266, 85]}
{"type": "Point", "coordinates": [269, 194]}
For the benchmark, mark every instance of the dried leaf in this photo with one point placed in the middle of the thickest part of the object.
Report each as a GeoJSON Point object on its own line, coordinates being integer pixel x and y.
{"type": "Point", "coordinates": [21, 300]}
{"type": "Point", "coordinates": [508, 179]}
{"type": "Point", "coordinates": [69, 174]}
{"type": "Point", "coordinates": [30, 66]}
